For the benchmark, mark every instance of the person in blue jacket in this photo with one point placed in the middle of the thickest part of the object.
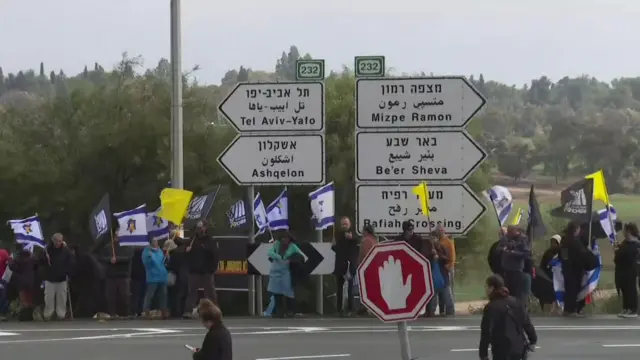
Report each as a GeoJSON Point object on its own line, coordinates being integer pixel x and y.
{"type": "Point", "coordinates": [281, 254]}
{"type": "Point", "coordinates": [153, 259]}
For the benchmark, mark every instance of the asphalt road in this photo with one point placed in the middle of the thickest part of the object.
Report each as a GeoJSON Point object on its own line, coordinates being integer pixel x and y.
{"type": "Point", "coordinates": [273, 339]}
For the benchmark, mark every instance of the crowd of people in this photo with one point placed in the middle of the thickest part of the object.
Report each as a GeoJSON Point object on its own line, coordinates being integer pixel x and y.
{"type": "Point", "coordinates": [438, 247]}
{"type": "Point", "coordinates": [110, 280]}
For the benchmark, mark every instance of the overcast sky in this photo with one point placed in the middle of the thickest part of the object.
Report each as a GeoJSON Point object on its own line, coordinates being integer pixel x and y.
{"type": "Point", "coordinates": [508, 40]}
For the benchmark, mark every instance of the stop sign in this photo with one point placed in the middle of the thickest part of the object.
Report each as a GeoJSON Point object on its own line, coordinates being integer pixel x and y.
{"type": "Point", "coordinates": [395, 281]}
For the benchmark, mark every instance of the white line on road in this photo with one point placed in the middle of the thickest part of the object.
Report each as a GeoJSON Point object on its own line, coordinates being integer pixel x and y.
{"type": "Point", "coordinates": [138, 332]}
{"type": "Point", "coordinates": [306, 357]}
{"type": "Point", "coordinates": [620, 345]}
{"type": "Point", "coordinates": [8, 334]}
{"type": "Point", "coordinates": [476, 349]}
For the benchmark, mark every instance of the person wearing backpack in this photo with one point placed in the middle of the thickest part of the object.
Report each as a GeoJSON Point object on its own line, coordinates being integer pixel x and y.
{"type": "Point", "coordinates": [626, 270]}
{"type": "Point", "coordinates": [505, 325]}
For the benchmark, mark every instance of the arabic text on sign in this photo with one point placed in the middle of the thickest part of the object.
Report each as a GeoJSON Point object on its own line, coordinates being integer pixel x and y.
{"type": "Point", "coordinates": [426, 156]}
{"type": "Point", "coordinates": [276, 93]}
{"type": "Point", "coordinates": [398, 210]}
{"type": "Point", "coordinates": [413, 89]}
{"type": "Point", "coordinates": [277, 159]}
{"type": "Point", "coordinates": [256, 106]}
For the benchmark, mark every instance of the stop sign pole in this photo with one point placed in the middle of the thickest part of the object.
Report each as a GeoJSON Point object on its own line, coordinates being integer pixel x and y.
{"type": "Point", "coordinates": [395, 285]}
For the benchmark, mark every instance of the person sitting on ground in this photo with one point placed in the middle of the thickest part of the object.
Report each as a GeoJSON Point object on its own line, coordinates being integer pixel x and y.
{"type": "Point", "coordinates": [217, 344]}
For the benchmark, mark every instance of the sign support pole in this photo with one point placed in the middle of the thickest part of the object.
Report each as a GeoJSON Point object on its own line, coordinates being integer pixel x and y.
{"type": "Point", "coordinates": [252, 279]}
{"type": "Point", "coordinates": [405, 346]}
{"type": "Point", "coordinates": [320, 285]}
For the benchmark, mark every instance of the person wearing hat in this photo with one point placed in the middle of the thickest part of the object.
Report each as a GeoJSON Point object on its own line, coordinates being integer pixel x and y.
{"type": "Point", "coordinates": [409, 236]}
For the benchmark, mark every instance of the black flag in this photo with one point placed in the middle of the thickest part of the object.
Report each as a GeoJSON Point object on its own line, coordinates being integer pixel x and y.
{"type": "Point", "coordinates": [199, 208]}
{"type": "Point", "coordinates": [100, 219]}
{"type": "Point", "coordinates": [535, 226]}
{"type": "Point", "coordinates": [577, 201]}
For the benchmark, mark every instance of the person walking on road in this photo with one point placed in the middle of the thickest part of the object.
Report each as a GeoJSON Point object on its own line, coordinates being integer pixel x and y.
{"type": "Point", "coordinates": [57, 262]}
{"type": "Point", "coordinates": [505, 325]}
{"type": "Point", "coordinates": [217, 344]}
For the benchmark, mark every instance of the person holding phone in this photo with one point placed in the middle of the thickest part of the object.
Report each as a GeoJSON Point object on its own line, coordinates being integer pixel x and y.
{"type": "Point", "coordinates": [217, 344]}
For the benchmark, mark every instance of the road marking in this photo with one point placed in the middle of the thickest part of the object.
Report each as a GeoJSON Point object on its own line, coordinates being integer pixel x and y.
{"type": "Point", "coordinates": [306, 357]}
{"type": "Point", "coordinates": [476, 349]}
{"type": "Point", "coordinates": [8, 334]}
{"type": "Point", "coordinates": [620, 345]}
{"type": "Point", "coordinates": [139, 332]}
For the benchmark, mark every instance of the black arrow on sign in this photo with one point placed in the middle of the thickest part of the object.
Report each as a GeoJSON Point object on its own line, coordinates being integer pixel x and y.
{"type": "Point", "coordinates": [314, 258]}
{"type": "Point", "coordinates": [251, 270]}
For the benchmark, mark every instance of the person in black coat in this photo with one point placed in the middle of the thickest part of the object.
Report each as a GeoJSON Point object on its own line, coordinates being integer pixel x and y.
{"type": "Point", "coordinates": [505, 324]}
{"type": "Point", "coordinates": [626, 258]}
{"type": "Point", "coordinates": [217, 344]}
{"type": "Point", "coordinates": [572, 255]}
{"type": "Point", "coordinates": [202, 259]}
{"type": "Point", "coordinates": [346, 249]}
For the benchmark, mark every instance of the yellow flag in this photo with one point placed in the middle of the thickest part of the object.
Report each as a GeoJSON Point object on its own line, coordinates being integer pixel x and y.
{"type": "Point", "coordinates": [516, 219]}
{"type": "Point", "coordinates": [423, 196]}
{"type": "Point", "coordinates": [599, 187]}
{"type": "Point", "coordinates": [174, 204]}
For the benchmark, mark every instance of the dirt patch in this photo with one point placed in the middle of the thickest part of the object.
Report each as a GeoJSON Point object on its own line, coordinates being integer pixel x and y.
{"type": "Point", "coordinates": [543, 195]}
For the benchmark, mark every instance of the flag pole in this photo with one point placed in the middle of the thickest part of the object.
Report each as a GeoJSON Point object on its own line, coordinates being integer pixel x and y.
{"type": "Point", "coordinates": [113, 245]}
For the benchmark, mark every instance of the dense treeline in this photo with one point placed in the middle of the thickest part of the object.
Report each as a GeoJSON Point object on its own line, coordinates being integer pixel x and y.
{"type": "Point", "coordinates": [68, 139]}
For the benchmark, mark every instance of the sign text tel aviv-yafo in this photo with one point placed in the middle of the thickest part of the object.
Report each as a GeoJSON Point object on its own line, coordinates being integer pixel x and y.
{"type": "Point", "coordinates": [254, 104]}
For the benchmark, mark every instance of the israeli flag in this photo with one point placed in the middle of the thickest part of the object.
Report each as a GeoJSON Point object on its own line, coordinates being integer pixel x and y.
{"type": "Point", "coordinates": [589, 281]}
{"type": "Point", "coordinates": [157, 227]}
{"type": "Point", "coordinates": [605, 222]}
{"type": "Point", "coordinates": [501, 200]}
{"type": "Point", "coordinates": [132, 227]}
{"type": "Point", "coordinates": [237, 214]}
{"type": "Point", "coordinates": [322, 206]}
{"type": "Point", "coordinates": [278, 212]}
{"type": "Point", "coordinates": [28, 232]}
{"type": "Point", "coordinates": [260, 214]}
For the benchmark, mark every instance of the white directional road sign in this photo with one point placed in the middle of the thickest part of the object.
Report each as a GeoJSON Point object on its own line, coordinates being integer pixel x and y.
{"type": "Point", "coordinates": [386, 206]}
{"type": "Point", "coordinates": [450, 155]}
{"type": "Point", "coordinates": [275, 160]}
{"type": "Point", "coordinates": [449, 101]}
{"type": "Point", "coordinates": [282, 106]}
{"type": "Point", "coordinates": [323, 264]}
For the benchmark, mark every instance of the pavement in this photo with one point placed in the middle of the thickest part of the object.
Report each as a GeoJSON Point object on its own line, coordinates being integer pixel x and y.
{"type": "Point", "coordinates": [600, 338]}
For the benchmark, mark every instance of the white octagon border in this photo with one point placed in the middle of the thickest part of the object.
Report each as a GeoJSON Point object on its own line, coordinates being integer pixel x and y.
{"type": "Point", "coordinates": [408, 315]}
